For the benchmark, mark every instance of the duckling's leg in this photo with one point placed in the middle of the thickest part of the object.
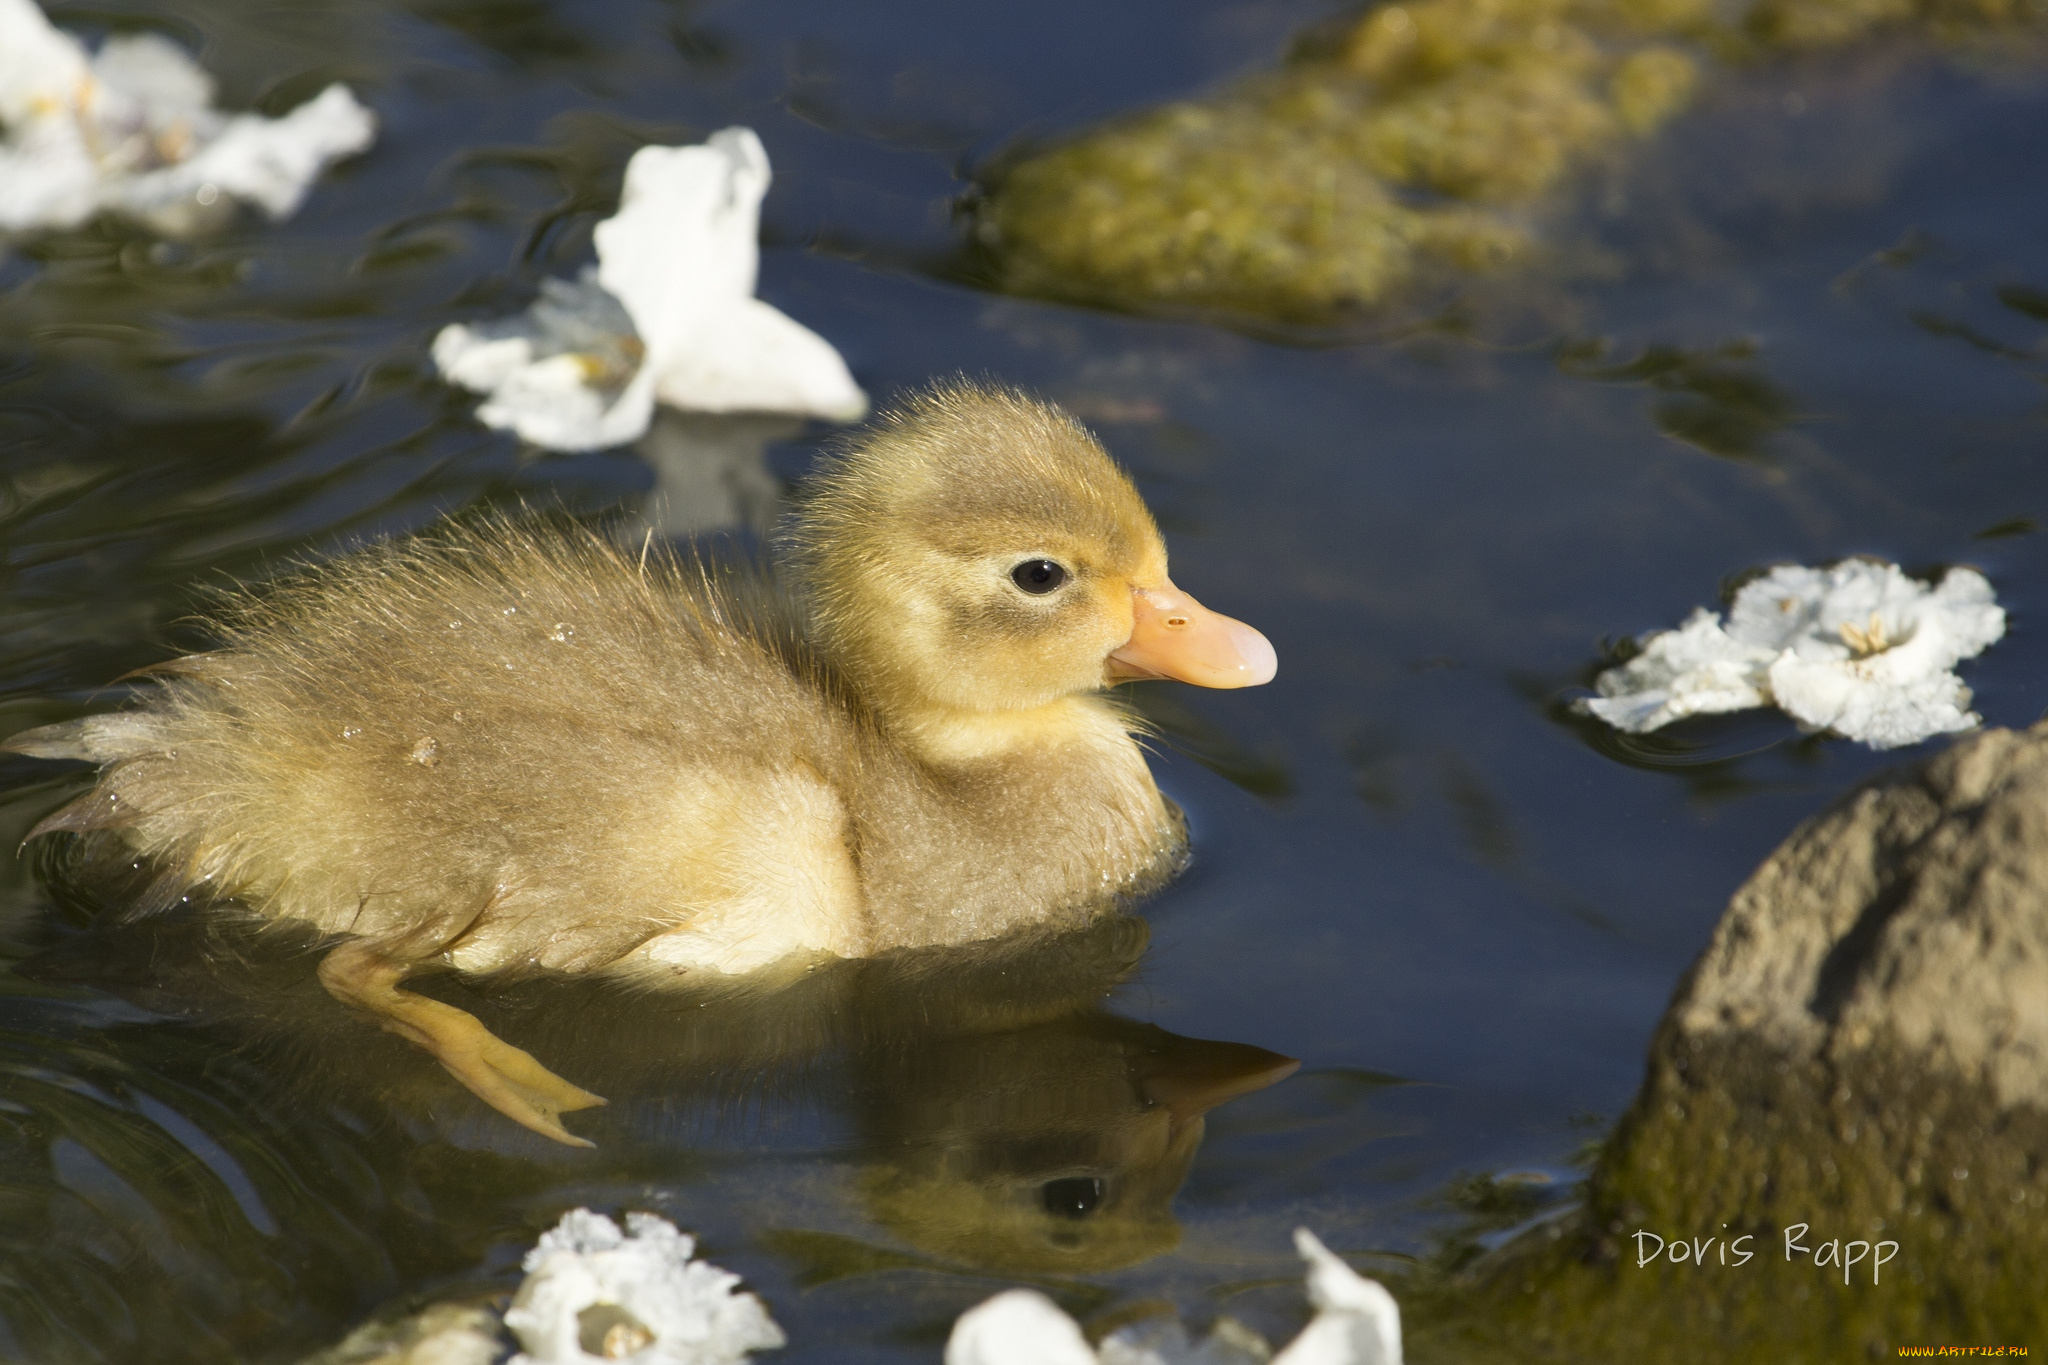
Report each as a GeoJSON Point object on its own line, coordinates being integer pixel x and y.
{"type": "Point", "coordinates": [508, 1079]}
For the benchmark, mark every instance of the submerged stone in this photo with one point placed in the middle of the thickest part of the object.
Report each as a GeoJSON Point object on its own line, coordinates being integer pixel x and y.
{"type": "Point", "coordinates": [1410, 143]}
{"type": "Point", "coordinates": [1247, 204]}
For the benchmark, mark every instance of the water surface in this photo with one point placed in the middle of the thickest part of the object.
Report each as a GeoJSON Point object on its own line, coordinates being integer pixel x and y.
{"type": "Point", "coordinates": [1814, 327]}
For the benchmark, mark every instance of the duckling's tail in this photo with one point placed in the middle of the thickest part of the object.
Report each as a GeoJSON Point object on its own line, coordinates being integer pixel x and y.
{"type": "Point", "coordinates": [121, 742]}
{"type": "Point", "coordinates": [95, 739]}
{"type": "Point", "coordinates": [114, 741]}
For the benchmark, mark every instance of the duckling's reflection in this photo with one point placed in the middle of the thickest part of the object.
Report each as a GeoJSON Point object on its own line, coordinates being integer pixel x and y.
{"type": "Point", "coordinates": [711, 472]}
{"type": "Point", "coordinates": [1002, 1117]}
{"type": "Point", "coordinates": [1054, 1148]}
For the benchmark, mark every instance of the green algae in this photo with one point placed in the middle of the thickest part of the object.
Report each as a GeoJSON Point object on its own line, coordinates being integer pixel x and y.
{"type": "Point", "coordinates": [1224, 206]}
{"type": "Point", "coordinates": [1416, 142]}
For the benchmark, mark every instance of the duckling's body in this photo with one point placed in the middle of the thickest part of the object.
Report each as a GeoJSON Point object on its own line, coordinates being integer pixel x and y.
{"type": "Point", "coordinates": [543, 755]}
{"type": "Point", "coordinates": [505, 747]}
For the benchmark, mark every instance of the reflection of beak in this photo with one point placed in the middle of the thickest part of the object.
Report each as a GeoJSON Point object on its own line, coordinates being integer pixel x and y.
{"type": "Point", "coordinates": [1174, 636]}
{"type": "Point", "coordinates": [1191, 1076]}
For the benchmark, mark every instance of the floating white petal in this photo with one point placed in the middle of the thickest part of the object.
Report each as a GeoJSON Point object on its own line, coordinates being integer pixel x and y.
{"type": "Point", "coordinates": [1693, 670]}
{"type": "Point", "coordinates": [1164, 1341]}
{"type": "Point", "coordinates": [668, 315]}
{"type": "Point", "coordinates": [132, 129]}
{"type": "Point", "coordinates": [567, 374]}
{"type": "Point", "coordinates": [1857, 648]}
{"type": "Point", "coordinates": [594, 1293]}
{"type": "Point", "coordinates": [1357, 1323]}
{"type": "Point", "coordinates": [1017, 1327]}
{"type": "Point", "coordinates": [1871, 653]}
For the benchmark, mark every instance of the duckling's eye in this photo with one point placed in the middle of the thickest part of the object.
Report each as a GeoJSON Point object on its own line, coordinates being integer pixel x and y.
{"type": "Point", "coordinates": [1074, 1197]}
{"type": "Point", "coordinates": [1038, 576]}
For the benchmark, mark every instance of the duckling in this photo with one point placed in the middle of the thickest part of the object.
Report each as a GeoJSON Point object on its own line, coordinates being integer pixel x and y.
{"type": "Point", "coordinates": [501, 747]}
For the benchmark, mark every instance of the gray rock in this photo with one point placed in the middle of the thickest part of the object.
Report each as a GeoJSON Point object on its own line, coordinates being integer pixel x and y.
{"type": "Point", "coordinates": [1914, 913]}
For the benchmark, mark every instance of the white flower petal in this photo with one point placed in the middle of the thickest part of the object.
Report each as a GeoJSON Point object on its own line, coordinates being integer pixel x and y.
{"type": "Point", "coordinates": [271, 163]}
{"type": "Point", "coordinates": [571, 317]}
{"type": "Point", "coordinates": [47, 178]}
{"type": "Point", "coordinates": [1773, 611]}
{"type": "Point", "coordinates": [166, 87]}
{"type": "Point", "coordinates": [685, 242]}
{"type": "Point", "coordinates": [1697, 669]}
{"type": "Point", "coordinates": [1901, 693]}
{"type": "Point", "coordinates": [546, 370]}
{"type": "Point", "coordinates": [133, 130]}
{"type": "Point", "coordinates": [1857, 648]}
{"type": "Point", "coordinates": [1970, 612]}
{"type": "Point", "coordinates": [40, 68]}
{"type": "Point", "coordinates": [1357, 1321]}
{"type": "Point", "coordinates": [672, 295]}
{"type": "Point", "coordinates": [682, 254]}
{"type": "Point", "coordinates": [758, 359]}
{"type": "Point", "coordinates": [474, 359]}
{"type": "Point", "coordinates": [1900, 696]}
{"type": "Point", "coordinates": [552, 404]}
{"type": "Point", "coordinates": [1863, 703]}
{"type": "Point", "coordinates": [682, 1312]}
{"type": "Point", "coordinates": [1017, 1327]}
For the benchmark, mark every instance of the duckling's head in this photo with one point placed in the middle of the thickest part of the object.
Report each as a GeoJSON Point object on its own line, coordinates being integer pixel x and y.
{"type": "Point", "coordinates": [976, 550]}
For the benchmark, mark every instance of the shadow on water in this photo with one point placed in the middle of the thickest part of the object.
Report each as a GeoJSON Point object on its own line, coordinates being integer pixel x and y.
{"type": "Point", "coordinates": [207, 1153]}
{"type": "Point", "coordinates": [1714, 398]}
{"type": "Point", "coordinates": [1177, 725]}
{"type": "Point", "coordinates": [1950, 294]}
{"type": "Point", "coordinates": [1715, 756]}
{"type": "Point", "coordinates": [1718, 757]}
{"type": "Point", "coordinates": [529, 33]}
{"type": "Point", "coordinates": [1396, 780]}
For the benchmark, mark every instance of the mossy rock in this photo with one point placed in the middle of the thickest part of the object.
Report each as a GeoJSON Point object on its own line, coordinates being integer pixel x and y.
{"type": "Point", "coordinates": [1936, 1178]}
{"type": "Point", "coordinates": [1858, 1051]}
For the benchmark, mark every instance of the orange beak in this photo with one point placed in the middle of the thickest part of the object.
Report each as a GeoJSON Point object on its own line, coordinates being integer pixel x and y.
{"type": "Point", "coordinates": [1174, 636]}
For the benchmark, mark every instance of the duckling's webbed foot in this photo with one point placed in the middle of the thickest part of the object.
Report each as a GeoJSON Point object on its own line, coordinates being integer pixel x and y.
{"type": "Point", "coordinates": [501, 1075]}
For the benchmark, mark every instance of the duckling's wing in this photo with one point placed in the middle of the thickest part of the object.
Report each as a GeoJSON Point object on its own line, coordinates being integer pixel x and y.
{"type": "Point", "coordinates": [583, 747]}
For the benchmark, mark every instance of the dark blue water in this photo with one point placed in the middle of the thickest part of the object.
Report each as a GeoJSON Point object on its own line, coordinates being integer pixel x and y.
{"type": "Point", "coordinates": [1461, 908]}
